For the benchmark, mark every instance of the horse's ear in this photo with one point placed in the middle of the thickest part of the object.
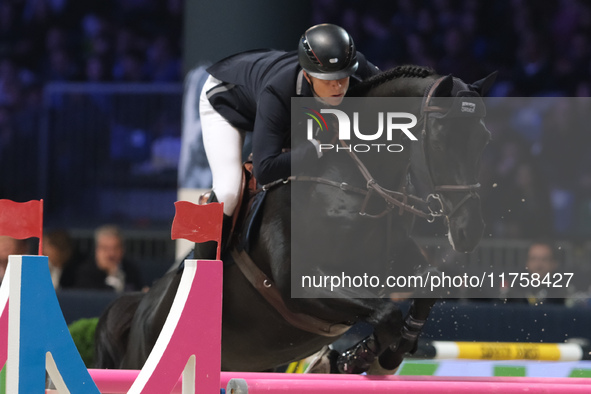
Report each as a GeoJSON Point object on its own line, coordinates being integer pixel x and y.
{"type": "Point", "coordinates": [483, 86]}
{"type": "Point", "coordinates": [445, 87]}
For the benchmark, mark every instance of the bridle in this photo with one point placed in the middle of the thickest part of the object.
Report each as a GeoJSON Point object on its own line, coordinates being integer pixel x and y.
{"type": "Point", "coordinates": [402, 200]}
{"type": "Point", "coordinates": [471, 190]}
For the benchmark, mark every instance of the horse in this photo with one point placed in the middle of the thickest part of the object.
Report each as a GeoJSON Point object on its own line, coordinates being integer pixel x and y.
{"type": "Point", "coordinates": [363, 201]}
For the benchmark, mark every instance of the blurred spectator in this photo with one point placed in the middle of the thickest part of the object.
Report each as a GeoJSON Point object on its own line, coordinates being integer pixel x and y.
{"type": "Point", "coordinates": [543, 261]}
{"type": "Point", "coordinates": [10, 86]}
{"type": "Point", "coordinates": [582, 210]}
{"type": "Point", "coordinates": [10, 246]}
{"type": "Point", "coordinates": [61, 67]}
{"type": "Point", "coordinates": [130, 68]}
{"type": "Point", "coordinates": [96, 69]}
{"type": "Point", "coordinates": [457, 58]}
{"type": "Point", "coordinates": [518, 205]}
{"type": "Point", "coordinates": [562, 152]}
{"type": "Point", "coordinates": [163, 65]}
{"type": "Point", "coordinates": [53, 38]}
{"type": "Point", "coordinates": [166, 146]}
{"type": "Point", "coordinates": [109, 269]}
{"type": "Point", "coordinates": [64, 258]}
{"type": "Point", "coordinates": [533, 71]}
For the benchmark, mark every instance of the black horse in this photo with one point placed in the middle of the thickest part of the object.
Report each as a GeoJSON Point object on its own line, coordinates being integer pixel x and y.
{"type": "Point", "coordinates": [258, 337]}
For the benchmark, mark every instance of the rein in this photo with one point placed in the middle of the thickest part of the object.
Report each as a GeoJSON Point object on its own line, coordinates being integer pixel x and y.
{"type": "Point", "coordinates": [471, 190]}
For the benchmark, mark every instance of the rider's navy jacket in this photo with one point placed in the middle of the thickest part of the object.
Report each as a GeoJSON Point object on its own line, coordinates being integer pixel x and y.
{"type": "Point", "coordinates": [256, 96]}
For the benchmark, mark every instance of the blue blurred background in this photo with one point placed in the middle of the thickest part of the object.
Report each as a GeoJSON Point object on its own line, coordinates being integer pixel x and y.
{"type": "Point", "coordinates": [91, 97]}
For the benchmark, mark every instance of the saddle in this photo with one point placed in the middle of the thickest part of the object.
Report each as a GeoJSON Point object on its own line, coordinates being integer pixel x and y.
{"type": "Point", "coordinates": [246, 216]}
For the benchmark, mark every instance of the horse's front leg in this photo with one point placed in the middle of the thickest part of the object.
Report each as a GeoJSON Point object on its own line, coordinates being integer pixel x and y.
{"type": "Point", "coordinates": [393, 336]}
{"type": "Point", "coordinates": [386, 320]}
{"type": "Point", "coordinates": [391, 358]}
{"type": "Point", "coordinates": [417, 315]}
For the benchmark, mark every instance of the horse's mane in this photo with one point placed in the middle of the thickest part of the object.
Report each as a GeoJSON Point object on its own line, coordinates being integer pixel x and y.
{"type": "Point", "coordinates": [407, 71]}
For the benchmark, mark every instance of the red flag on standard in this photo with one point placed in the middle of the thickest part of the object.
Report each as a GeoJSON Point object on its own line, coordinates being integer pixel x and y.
{"type": "Point", "coordinates": [21, 219]}
{"type": "Point", "coordinates": [198, 223]}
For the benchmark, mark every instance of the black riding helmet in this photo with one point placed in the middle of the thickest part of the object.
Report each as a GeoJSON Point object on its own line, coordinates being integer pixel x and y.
{"type": "Point", "coordinates": [327, 52]}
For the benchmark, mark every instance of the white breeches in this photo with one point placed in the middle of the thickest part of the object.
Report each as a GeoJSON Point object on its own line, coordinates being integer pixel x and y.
{"type": "Point", "coordinates": [223, 147]}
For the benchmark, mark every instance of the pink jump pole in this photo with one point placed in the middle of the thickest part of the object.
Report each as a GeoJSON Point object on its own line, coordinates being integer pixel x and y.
{"type": "Point", "coordinates": [115, 381]}
{"type": "Point", "coordinates": [119, 381]}
{"type": "Point", "coordinates": [299, 386]}
{"type": "Point", "coordinates": [248, 376]}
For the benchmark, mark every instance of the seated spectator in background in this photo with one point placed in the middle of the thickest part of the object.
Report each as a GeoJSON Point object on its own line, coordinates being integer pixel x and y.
{"type": "Point", "coordinates": [542, 259]}
{"type": "Point", "coordinates": [109, 269]}
{"type": "Point", "coordinates": [64, 259]}
{"type": "Point", "coordinates": [10, 246]}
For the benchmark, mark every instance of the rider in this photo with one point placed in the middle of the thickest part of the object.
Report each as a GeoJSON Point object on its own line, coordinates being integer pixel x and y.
{"type": "Point", "coordinates": [251, 91]}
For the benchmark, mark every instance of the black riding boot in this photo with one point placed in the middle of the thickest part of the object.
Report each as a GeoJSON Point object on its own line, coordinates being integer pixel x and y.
{"type": "Point", "coordinates": [208, 250]}
{"type": "Point", "coordinates": [205, 250]}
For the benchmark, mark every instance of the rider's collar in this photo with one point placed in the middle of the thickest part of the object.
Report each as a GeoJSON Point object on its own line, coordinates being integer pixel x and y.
{"type": "Point", "coordinates": [300, 83]}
